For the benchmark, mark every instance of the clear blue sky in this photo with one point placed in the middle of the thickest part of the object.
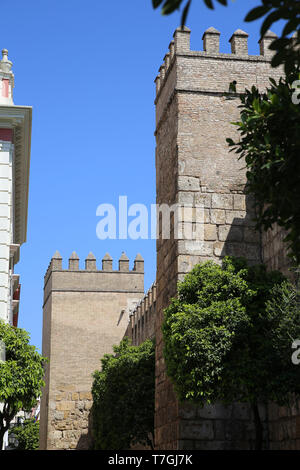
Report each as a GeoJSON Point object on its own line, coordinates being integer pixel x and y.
{"type": "Point", "coordinates": [87, 68]}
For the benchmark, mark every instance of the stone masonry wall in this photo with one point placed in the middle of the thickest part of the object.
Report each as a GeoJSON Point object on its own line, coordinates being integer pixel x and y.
{"type": "Point", "coordinates": [284, 422]}
{"type": "Point", "coordinates": [141, 324]}
{"type": "Point", "coordinates": [284, 426]}
{"type": "Point", "coordinates": [85, 314]}
{"type": "Point", "coordinates": [70, 419]}
{"type": "Point", "coordinates": [194, 111]}
{"type": "Point", "coordinates": [275, 251]}
{"type": "Point", "coordinates": [218, 427]}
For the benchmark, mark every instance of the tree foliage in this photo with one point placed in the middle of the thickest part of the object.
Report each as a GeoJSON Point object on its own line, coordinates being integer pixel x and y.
{"type": "Point", "coordinates": [169, 6]}
{"type": "Point", "coordinates": [228, 336]}
{"type": "Point", "coordinates": [27, 435]}
{"type": "Point", "coordinates": [285, 48]}
{"type": "Point", "coordinates": [21, 375]}
{"type": "Point", "coordinates": [123, 397]}
{"type": "Point", "coordinates": [269, 143]}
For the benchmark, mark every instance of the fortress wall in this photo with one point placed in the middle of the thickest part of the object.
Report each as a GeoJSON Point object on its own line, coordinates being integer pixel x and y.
{"type": "Point", "coordinates": [141, 324]}
{"type": "Point", "coordinates": [194, 110]}
{"type": "Point", "coordinates": [284, 422]}
{"type": "Point", "coordinates": [85, 314]}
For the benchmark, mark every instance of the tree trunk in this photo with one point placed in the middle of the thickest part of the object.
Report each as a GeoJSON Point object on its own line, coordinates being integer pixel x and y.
{"type": "Point", "coordinates": [3, 430]}
{"type": "Point", "coordinates": [151, 441]}
{"type": "Point", "coordinates": [151, 445]}
{"type": "Point", "coordinates": [6, 418]}
{"type": "Point", "coordinates": [258, 427]}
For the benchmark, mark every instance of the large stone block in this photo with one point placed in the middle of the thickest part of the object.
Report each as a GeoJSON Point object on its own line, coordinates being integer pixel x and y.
{"type": "Point", "coordinates": [210, 232]}
{"type": "Point", "coordinates": [199, 430]}
{"type": "Point", "coordinates": [217, 216]}
{"type": "Point", "coordinates": [231, 233]}
{"type": "Point", "coordinates": [235, 217]}
{"type": "Point", "coordinates": [215, 411]}
{"type": "Point", "coordinates": [188, 183]}
{"type": "Point", "coordinates": [222, 201]}
{"type": "Point", "coordinates": [239, 202]}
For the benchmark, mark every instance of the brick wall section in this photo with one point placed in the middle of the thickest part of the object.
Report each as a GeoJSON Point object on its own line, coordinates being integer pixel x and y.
{"type": "Point", "coordinates": [194, 110]}
{"type": "Point", "coordinates": [141, 324]}
{"type": "Point", "coordinates": [85, 314]}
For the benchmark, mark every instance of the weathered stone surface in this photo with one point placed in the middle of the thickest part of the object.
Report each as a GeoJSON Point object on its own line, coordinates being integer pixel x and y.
{"type": "Point", "coordinates": [217, 216]}
{"type": "Point", "coordinates": [85, 314]}
{"type": "Point", "coordinates": [188, 183]}
{"type": "Point", "coordinates": [251, 235]}
{"type": "Point", "coordinates": [239, 202]}
{"type": "Point", "coordinates": [65, 405]}
{"type": "Point", "coordinates": [230, 233]}
{"type": "Point", "coordinates": [217, 411]}
{"type": "Point", "coordinates": [210, 232]}
{"type": "Point", "coordinates": [193, 164]}
{"type": "Point", "coordinates": [222, 201]}
{"type": "Point", "coordinates": [235, 217]}
{"type": "Point", "coordinates": [200, 430]}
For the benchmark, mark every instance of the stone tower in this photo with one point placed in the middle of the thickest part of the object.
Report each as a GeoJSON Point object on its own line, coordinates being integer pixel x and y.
{"type": "Point", "coordinates": [85, 313]}
{"type": "Point", "coordinates": [194, 111]}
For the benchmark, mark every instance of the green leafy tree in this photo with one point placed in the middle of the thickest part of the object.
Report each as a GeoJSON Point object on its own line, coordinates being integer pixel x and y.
{"type": "Point", "coordinates": [286, 49]}
{"type": "Point", "coordinates": [27, 435]}
{"type": "Point", "coordinates": [21, 375]}
{"type": "Point", "coordinates": [228, 336]}
{"type": "Point", "coordinates": [269, 143]}
{"type": "Point", "coordinates": [123, 397]}
{"type": "Point", "coordinates": [169, 6]}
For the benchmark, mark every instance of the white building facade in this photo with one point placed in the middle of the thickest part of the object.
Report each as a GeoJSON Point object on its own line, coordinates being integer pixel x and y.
{"type": "Point", "coordinates": [15, 143]}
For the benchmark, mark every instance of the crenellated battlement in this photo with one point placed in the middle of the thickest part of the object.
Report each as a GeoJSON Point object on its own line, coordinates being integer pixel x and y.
{"type": "Point", "coordinates": [91, 264]}
{"type": "Point", "coordinates": [179, 47]}
{"type": "Point", "coordinates": [92, 279]}
{"type": "Point", "coordinates": [142, 318]}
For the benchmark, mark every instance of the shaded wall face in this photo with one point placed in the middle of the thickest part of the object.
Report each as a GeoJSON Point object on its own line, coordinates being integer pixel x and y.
{"type": "Point", "coordinates": [81, 324]}
{"type": "Point", "coordinates": [275, 251]}
{"type": "Point", "coordinates": [45, 392]}
{"type": "Point", "coordinates": [166, 276]}
{"type": "Point", "coordinates": [195, 168]}
{"type": "Point", "coordinates": [284, 422]}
